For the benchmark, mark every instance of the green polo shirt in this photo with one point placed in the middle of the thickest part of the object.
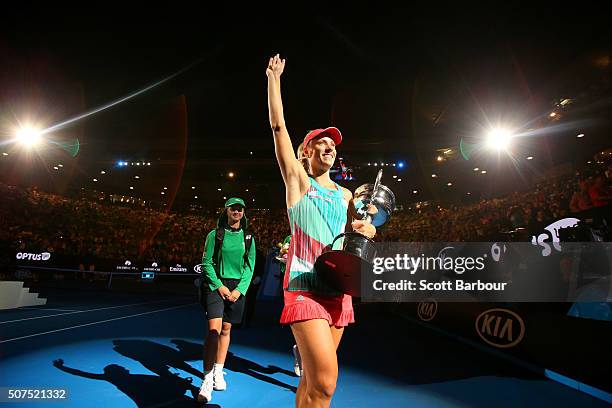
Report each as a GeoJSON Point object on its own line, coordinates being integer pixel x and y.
{"type": "Point", "coordinates": [232, 264]}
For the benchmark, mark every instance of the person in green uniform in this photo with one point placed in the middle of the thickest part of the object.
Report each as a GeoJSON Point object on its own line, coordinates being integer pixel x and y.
{"type": "Point", "coordinates": [227, 269]}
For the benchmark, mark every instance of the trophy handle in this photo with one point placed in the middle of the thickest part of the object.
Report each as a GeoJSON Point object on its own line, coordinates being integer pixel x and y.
{"type": "Point", "coordinates": [367, 216]}
{"type": "Point", "coordinates": [377, 182]}
{"type": "Point", "coordinates": [335, 239]}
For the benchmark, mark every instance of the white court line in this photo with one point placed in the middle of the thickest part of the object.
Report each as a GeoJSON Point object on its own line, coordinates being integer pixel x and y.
{"type": "Point", "coordinates": [82, 311]}
{"type": "Point", "coordinates": [91, 324]}
{"type": "Point", "coordinates": [44, 308]}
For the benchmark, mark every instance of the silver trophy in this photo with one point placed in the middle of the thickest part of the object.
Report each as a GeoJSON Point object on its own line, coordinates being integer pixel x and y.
{"type": "Point", "coordinates": [378, 195]}
{"type": "Point", "coordinates": [342, 267]}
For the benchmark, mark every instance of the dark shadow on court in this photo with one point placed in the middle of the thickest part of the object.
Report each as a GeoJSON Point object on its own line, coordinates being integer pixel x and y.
{"type": "Point", "coordinates": [156, 357]}
{"type": "Point", "coordinates": [405, 354]}
{"type": "Point", "coordinates": [193, 351]}
{"type": "Point", "coordinates": [144, 390]}
{"type": "Point", "coordinates": [414, 355]}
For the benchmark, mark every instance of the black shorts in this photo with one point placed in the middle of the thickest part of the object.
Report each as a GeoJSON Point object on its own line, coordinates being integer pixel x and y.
{"type": "Point", "coordinates": [216, 307]}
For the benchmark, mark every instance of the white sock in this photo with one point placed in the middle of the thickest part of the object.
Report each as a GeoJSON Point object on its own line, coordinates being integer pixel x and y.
{"type": "Point", "coordinates": [218, 367]}
{"type": "Point", "coordinates": [208, 374]}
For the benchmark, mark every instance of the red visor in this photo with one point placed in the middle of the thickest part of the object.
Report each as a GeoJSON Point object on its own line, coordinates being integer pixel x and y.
{"type": "Point", "coordinates": [330, 132]}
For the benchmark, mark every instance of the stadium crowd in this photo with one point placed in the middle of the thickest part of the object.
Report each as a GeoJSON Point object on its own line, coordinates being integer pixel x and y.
{"type": "Point", "coordinates": [32, 220]}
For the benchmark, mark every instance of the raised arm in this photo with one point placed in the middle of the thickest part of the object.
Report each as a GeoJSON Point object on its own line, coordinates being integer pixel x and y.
{"type": "Point", "coordinates": [59, 363]}
{"type": "Point", "coordinates": [290, 168]}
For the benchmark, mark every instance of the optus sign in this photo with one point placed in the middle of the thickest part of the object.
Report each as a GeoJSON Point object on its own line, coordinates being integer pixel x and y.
{"type": "Point", "coordinates": [26, 256]}
{"type": "Point", "coordinates": [427, 310]}
{"type": "Point", "coordinates": [501, 328]}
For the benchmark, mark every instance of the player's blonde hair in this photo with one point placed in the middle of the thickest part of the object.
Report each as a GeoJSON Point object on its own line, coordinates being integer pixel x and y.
{"type": "Point", "coordinates": [302, 158]}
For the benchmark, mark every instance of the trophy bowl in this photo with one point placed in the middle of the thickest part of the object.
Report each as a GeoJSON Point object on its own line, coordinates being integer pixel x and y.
{"type": "Point", "coordinates": [381, 197]}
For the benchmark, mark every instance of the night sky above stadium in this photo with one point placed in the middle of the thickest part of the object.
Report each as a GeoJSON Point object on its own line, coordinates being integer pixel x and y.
{"type": "Point", "coordinates": [400, 84]}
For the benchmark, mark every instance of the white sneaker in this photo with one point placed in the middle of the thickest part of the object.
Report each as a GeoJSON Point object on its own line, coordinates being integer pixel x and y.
{"type": "Point", "coordinates": [205, 394]}
{"type": "Point", "coordinates": [297, 361]}
{"type": "Point", "coordinates": [219, 383]}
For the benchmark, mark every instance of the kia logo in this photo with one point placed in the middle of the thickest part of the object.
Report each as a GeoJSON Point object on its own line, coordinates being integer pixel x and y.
{"type": "Point", "coordinates": [501, 328]}
{"type": "Point", "coordinates": [427, 310]}
{"type": "Point", "coordinates": [154, 264]}
{"type": "Point", "coordinates": [127, 263]}
{"type": "Point", "coordinates": [197, 268]}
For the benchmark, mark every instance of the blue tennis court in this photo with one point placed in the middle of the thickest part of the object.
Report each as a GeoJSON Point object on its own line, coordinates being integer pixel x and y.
{"type": "Point", "coordinates": [126, 350]}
